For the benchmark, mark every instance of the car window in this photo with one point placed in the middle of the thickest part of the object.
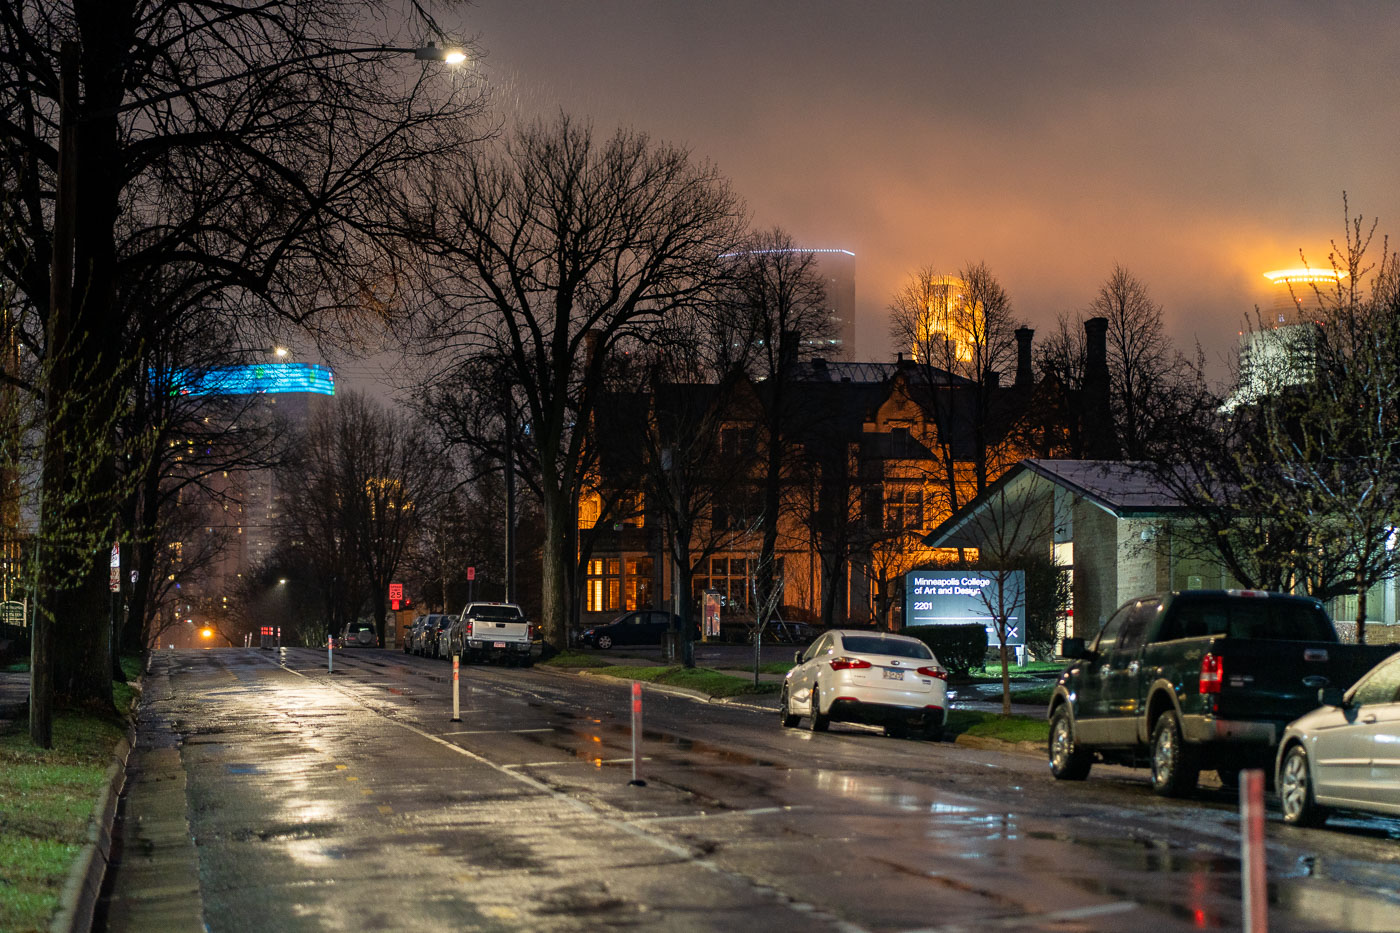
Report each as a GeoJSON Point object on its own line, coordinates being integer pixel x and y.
{"type": "Point", "coordinates": [1134, 630]}
{"type": "Point", "coordinates": [1109, 633]}
{"type": "Point", "coordinates": [1254, 618]}
{"type": "Point", "coordinates": [820, 646]}
{"type": "Point", "coordinates": [896, 647]}
{"type": "Point", "coordinates": [1382, 686]}
{"type": "Point", "coordinates": [496, 614]}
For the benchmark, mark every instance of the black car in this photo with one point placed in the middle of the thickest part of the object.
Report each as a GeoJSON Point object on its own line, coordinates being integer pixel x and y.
{"type": "Point", "coordinates": [643, 627]}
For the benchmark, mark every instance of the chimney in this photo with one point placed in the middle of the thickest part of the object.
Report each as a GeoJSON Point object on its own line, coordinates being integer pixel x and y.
{"type": "Point", "coordinates": [1100, 441]}
{"type": "Point", "coordinates": [1023, 356]}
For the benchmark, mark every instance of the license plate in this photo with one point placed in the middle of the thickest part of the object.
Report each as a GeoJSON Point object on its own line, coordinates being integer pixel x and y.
{"type": "Point", "coordinates": [499, 644]}
{"type": "Point", "coordinates": [893, 675]}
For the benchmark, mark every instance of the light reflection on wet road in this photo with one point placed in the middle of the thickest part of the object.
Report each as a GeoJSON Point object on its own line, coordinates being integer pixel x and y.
{"type": "Point", "coordinates": [349, 801]}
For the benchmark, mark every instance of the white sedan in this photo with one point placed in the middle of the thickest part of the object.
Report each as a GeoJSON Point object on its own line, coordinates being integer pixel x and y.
{"type": "Point", "coordinates": [867, 677]}
{"type": "Point", "coordinates": [1345, 754]}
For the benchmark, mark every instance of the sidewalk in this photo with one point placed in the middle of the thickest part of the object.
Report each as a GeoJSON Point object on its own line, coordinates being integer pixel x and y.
{"type": "Point", "coordinates": [14, 694]}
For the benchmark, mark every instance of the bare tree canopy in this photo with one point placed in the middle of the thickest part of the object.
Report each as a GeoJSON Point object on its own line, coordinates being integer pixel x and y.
{"type": "Point", "coordinates": [356, 497]}
{"type": "Point", "coordinates": [214, 156]}
{"type": "Point", "coordinates": [547, 254]}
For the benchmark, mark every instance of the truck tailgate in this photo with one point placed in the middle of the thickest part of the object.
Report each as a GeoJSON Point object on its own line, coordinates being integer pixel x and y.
{"type": "Point", "coordinates": [1278, 681]}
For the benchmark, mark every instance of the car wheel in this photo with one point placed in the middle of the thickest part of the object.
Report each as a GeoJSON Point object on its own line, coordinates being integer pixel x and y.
{"type": "Point", "coordinates": [1174, 765]}
{"type": "Point", "coordinates": [1067, 763]}
{"type": "Point", "coordinates": [605, 642]}
{"type": "Point", "coordinates": [818, 722]}
{"type": "Point", "coordinates": [785, 712]}
{"type": "Point", "coordinates": [1295, 790]}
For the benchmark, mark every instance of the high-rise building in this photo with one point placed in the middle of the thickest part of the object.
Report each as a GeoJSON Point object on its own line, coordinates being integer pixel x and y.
{"type": "Point", "coordinates": [1275, 350]}
{"type": "Point", "coordinates": [837, 269]}
{"type": "Point", "coordinates": [244, 506]}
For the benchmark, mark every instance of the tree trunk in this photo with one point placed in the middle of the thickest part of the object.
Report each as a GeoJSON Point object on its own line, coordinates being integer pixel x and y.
{"type": "Point", "coordinates": [554, 570]}
{"type": "Point", "coordinates": [1360, 613]}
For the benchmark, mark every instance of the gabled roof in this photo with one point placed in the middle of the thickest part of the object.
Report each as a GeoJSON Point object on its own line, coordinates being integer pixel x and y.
{"type": "Point", "coordinates": [1121, 488]}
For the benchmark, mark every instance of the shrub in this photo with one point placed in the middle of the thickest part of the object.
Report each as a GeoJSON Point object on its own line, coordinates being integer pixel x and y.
{"type": "Point", "coordinates": [959, 648]}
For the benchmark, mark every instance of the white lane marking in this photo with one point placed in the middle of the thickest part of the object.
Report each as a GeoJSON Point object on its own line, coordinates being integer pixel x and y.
{"type": "Point", "coordinates": [756, 811]}
{"type": "Point", "coordinates": [496, 731]}
{"type": "Point", "coordinates": [683, 853]}
{"type": "Point", "coordinates": [1009, 923]}
{"type": "Point", "coordinates": [591, 762]}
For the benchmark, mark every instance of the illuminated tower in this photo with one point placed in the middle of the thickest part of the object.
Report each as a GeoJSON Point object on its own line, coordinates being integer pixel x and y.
{"type": "Point", "coordinates": [1276, 353]}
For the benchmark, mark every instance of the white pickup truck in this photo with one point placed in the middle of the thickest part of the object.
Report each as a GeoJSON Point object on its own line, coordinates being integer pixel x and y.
{"type": "Point", "coordinates": [493, 632]}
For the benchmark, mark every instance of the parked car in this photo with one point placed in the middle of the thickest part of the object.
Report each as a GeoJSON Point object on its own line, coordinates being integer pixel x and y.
{"type": "Point", "coordinates": [776, 632]}
{"type": "Point", "coordinates": [359, 635]}
{"type": "Point", "coordinates": [434, 635]}
{"type": "Point", "coordinates": [643, 627]}
{"type": "Point", "coordinates": [1193, 681]}
{"type": "Point", "coordinates": [491, 632]}
{"type": "Point", "coordinates": [1345, 755]}
{"type": "Point", "coordinates": [867, 677]}
{"type": "Point", "coordinates": [423, 630]}
{"type": "Point", "coordinates": [415, 626]}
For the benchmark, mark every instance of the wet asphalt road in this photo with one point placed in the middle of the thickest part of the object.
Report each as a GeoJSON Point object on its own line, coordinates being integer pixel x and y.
{"type": "Point", "coordinates": [267, 794]}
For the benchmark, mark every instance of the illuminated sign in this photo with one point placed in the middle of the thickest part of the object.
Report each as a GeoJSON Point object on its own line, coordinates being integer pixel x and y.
{"type": "Point", "coordinates": [256, 379]}
{"type": "Point", "coordinates": [967, 597]}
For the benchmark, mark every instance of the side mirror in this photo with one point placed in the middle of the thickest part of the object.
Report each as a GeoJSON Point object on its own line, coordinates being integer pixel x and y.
{"type": "Point", "coordinates": [797, 657]}
{"type": "Point", "coordinates": [1331, 696]}
{"type": "Point", "coordinates": [1074, 648]}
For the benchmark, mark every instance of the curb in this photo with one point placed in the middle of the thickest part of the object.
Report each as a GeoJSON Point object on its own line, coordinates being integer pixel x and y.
{"type": "Point", "coordinates": [997, 745]}
{"type": "Point", "coordinates": [77, 904]}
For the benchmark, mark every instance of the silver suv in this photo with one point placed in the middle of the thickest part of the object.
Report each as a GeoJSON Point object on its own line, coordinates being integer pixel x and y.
{"type": "Point", "coordinates": [359, 635]}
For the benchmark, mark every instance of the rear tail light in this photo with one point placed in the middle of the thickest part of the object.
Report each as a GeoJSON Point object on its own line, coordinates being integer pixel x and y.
{"type": "Point", "coordinates": [848, 664]}
{"type": "Point", "coordinates": [469, 628]}
{"type": "Point", "coordinates": [937, 672]}
{"type": "Point", "coordinates": [1212, 672]}
{"type": "Point", "coordinates": [530, 631]}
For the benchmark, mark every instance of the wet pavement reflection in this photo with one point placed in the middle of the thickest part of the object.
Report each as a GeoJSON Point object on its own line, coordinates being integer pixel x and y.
{"type": "Point", "coordinates": [349, 801]}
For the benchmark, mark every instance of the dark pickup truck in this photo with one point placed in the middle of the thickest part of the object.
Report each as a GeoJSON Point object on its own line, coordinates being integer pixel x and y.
{"type": "Point", "coordinates": [1193, 681]}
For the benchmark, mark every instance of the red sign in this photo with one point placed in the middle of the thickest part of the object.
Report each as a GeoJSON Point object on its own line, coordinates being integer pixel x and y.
{"type": "Point", "coordinates": [396, 591]}
{"type": "Point", "coordinates": [471, 574]}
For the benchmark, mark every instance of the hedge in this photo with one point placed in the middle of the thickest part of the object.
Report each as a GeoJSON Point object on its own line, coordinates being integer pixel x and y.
{"type": "Point", "coordinates": [959, 648]}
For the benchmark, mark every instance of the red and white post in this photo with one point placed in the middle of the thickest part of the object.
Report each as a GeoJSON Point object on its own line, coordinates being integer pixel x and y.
{"type": "Point", "coordinates": [330, 653]}
{"type": "Point", "coordinates": [1253, 874]}
{"type": "Point", "coordinates": [636, 734]}
{"type": "Point", "coordinates": [456, 689]}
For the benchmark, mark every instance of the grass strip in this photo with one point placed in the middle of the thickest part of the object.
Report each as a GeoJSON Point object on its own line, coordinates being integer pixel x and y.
{"type": "Point", "coordinates": [46, 802]}
{"type": "Point", "coordinates": [575, 659]}
{"type": "Point", "coordinates": [703, 679]}
{"type": "Point", "coordinates": [996, 726]}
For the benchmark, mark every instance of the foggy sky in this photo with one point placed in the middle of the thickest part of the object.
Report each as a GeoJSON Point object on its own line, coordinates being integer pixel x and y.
{"type": "Point", "coordinates": [1197, 144]}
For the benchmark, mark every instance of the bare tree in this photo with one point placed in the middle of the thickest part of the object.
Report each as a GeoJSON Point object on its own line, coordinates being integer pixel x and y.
{"type": "Point", "coordinates": [1010, 530]}
{"type": "Point", "coordinates": [773, 309]}
{"type": "Point", "coordinates": [369, 479]}
{"type": "Point", "coordinates": [252, 147]}
{"type": "Point", "coordinates": [547, 253]}
{"type": "Point", "coordinates": [1292, 484]}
